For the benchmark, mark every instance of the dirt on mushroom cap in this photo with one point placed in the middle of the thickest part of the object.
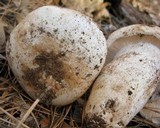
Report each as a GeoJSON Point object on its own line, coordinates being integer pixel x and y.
{"type": "Point", "coordinates": [62, 52]}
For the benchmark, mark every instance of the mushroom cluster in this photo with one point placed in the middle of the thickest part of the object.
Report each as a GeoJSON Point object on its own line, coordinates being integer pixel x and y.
{"type": "Point", "coordinates": [56, 54]}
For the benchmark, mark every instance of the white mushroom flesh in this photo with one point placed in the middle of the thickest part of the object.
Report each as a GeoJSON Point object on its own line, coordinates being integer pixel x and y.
{"type": "Point", "coordinates": [124, 86]}
{"type": "Point", "coordinates": [56, 54]}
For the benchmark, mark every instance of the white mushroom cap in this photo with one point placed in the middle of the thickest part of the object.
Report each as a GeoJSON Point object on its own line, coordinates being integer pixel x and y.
{"type": "Point", "coordinates": [130, 35]}
{"type": "Point", "coordinates": [57, 51]}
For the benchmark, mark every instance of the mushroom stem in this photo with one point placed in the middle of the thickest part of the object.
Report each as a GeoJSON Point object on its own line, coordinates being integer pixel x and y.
{"type": "Point", "coordinates": [124, 86]}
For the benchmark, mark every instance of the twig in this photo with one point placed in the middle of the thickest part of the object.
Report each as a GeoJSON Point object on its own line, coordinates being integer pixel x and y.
{"type": "Point", "coordinates": [28, 113]}
{"type": "Point", "coordinates": [7, 121]}
{"type": "Point", "coordinates": [31, 112]}
{"type": "Point", "coordinates": [35, 120]}
{"type": "Point", "coordinates": [67, 111]}
{"type": "Point", "coordinates": [12, 117]}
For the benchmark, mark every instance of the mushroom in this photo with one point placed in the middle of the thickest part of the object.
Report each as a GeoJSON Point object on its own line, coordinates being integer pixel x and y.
{"type": "Point", "coordinates": [131, 34]}
{"type": "Point", "coordinates": [56, 53]}
{"type": "Point", "coordinates": [127, 82]}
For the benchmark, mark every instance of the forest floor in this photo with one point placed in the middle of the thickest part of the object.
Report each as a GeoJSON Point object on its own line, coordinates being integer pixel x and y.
{"type": "Point", "coordinates": [15, 103]}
